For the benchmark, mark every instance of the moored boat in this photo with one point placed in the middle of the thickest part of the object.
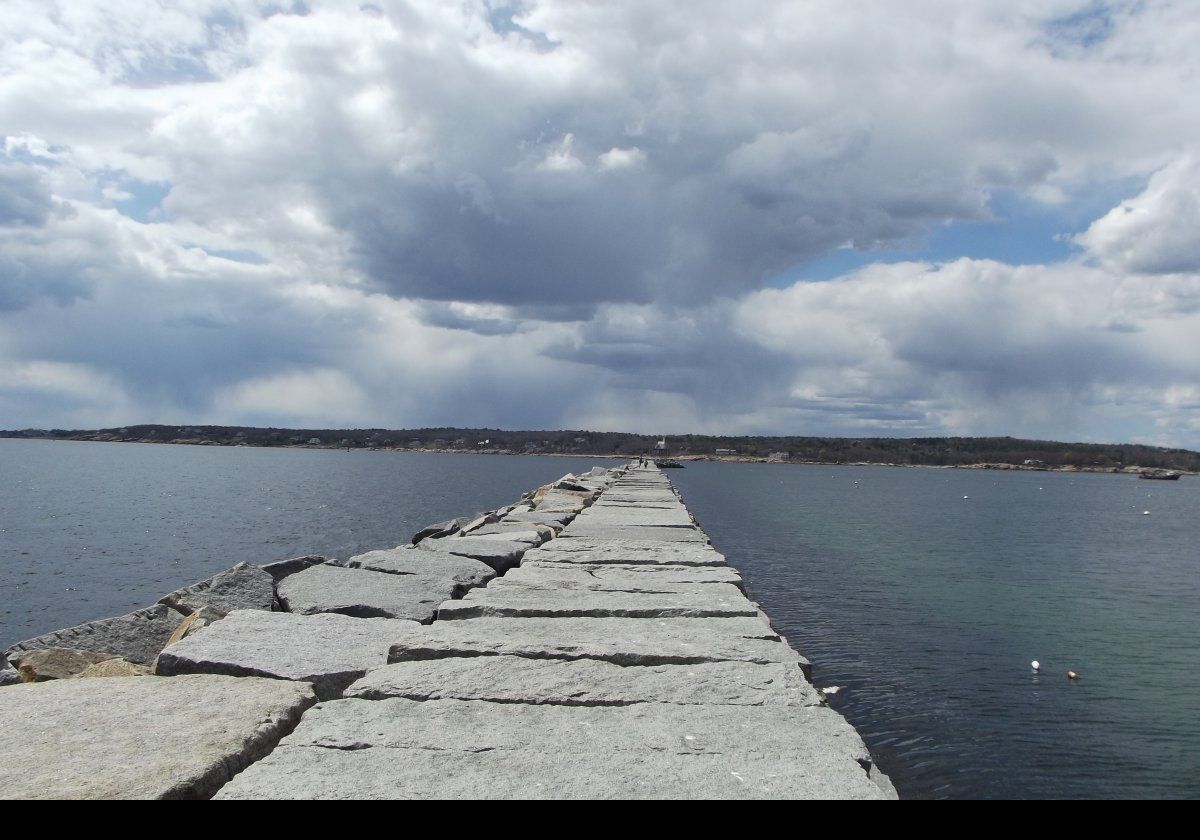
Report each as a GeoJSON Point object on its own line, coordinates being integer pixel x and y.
{"type": "Point", "coordinates": [1160, 475]}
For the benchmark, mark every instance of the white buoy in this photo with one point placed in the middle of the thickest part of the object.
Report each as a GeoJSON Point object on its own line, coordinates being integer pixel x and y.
{"type": "Point", "coordinates": [1037, 666]}
{"type": "Point", "coordinates": [1145, 513]}
{"type": "Point", "coordinates": [966, 497]}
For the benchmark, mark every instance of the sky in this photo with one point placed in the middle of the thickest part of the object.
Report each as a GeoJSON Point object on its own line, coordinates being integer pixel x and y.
{"type": "Point", "coordinates": [809, 217]}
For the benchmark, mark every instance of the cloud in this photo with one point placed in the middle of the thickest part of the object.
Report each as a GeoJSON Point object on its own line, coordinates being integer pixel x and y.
{"type": "Point", "coordinates": [1156, 231]}
{"type": "Point", "coordinates": [24, 196]}
{"type": "Point", "coordinates": [554, 213]}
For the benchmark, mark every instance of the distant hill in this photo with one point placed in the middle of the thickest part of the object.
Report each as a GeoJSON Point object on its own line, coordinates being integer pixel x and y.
{"type": "Point", "coordinates": [956, 451]}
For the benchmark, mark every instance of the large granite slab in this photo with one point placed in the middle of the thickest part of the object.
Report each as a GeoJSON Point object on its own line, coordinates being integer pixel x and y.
{"type": "Point", "coordinates": [603, 531]}
{"type": "Point", "coordinates": [465, 572]}
{"type": "Point", "coordinates": [632, 641]}
{"type": "Point", "coordinates": [595, 552]}
{"type": "Point", "coordinates": [243, 587]}
{"type": "Point", "coordinates": [531, 534]}
{"type": "Point", "coordinates": [587, 682]}
{"type": "Point", "coordinates": [365, 594]}
{"type": "Point", "coordinates": [447, 749]}
{"type": "Point", "coordinates": [644, 584]}
{"type": "Point", "coordinates": [140, 737]}
{"type": "Point", "coordinates": [547, 570]}
{"type": "Point", "coordinates": [518, 530]}
{"type": "Point", "coordinates": [330, 651]}
{"type": "Point", "coordinates": [279, 569]}
{"type": "Point", "coordinates": [137, 636]}
{"type": "Point", "coordinates": [501, 555]}
{"type": "Point", "coordinates": [727, 602]}
{"type": "Point", "coordinates": [639, 516]}
{"type": "Point", "coordinates": [318, 773]}
{"type": "Point", "coordinates": [554, 519]}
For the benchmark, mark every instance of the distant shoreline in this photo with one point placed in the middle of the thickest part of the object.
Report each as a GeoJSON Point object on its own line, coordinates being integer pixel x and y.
{"type": "Point", "coordinates": [686, 458]}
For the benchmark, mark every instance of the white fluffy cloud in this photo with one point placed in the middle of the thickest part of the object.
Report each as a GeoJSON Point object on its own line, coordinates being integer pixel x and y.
{"type": "Point", "coordinates": [1157, 232]}
{"type": "Point", "coordinates": [557, 213]}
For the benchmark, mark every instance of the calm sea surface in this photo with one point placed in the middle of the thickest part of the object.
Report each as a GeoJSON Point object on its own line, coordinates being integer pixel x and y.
{"type": "Point", "coordinates": [925, 606]}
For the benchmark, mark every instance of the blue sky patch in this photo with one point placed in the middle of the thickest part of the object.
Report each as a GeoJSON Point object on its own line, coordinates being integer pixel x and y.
{"type": "Point", "coordinates": [1021, 232]}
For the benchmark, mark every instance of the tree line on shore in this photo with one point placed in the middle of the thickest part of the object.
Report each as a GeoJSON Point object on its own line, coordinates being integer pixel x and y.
{"type": "Point", "coordinates": [926, 451]}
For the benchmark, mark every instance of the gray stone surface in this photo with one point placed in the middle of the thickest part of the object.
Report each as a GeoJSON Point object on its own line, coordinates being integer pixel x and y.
{"type": "Point", "coordinates": [8, 674]}
{"type": "Point", "coordinates": [465, 572]}
{"type": "Point", "coordinates": [330, 651]}
{"type": "Point", "coordinates": [280, 569]}
{"type": "Point", "coordinates": [533, 568]}
{"type": "Point", "coordinates": [642, 517]}
{"type": "Point", "coordinates": [587, 682]}
{"type": "Point", "coordinates": [532, 536]}
{"type": "Point", "coordinates": [243, 587]}
{"type": "Point", "coordinates": [501, 555]}
{"type": "Point", "coordinates": [532, 603]}
{"type": "Point", "coordinates": [554, 519]}
{"type": "Point", "coordinates": [635, 585]}
{"type": "Point", "coordinates": [604, 552]}
{"type": "Point", "coordinates": [137, 636]}
{"type": "Point", "coordinates": [632, 641]}
{"type": "Point", "coordinates": [612, 579]}
{"type": "Point", "coordinates": [441, 529]}
{"type": "Point", "coordinates": [140, 737]}
{"type": "Point", "coordinates": [459, 749]}
{"type": "Point", "coordinates": [603, 531]}
{"type": "Point", "coordinates": [318, 773]}
{"type": "Point", "coordinates": [365, 594]}
{"type": "Point", "coordinates": [525, 530]}
{"type": "Point", "coordinates": [561, 500]}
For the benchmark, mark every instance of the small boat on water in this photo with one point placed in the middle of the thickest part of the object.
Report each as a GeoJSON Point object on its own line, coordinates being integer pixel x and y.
{"type": "Point", "coordinates": [668, 464]}
{"type": "Point", "coordinates": [1160, 475]}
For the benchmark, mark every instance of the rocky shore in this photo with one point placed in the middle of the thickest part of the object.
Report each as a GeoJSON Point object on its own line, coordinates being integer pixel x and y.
{"type": "Point", "coordinates": [586, 642]}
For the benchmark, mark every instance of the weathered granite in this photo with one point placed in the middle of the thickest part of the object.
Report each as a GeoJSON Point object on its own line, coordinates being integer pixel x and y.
{"type": "Point", "coordinates": [507, 530]}
{"type": "Point", "coordinates": [319, 773]}
{"type": "Point", "coordinates": [566, 577]}
{"type": "Point", "coordinates": [441, 529]}
{"type": "Point", "coordinates": [641, 517]}
{"type": "Point", "coordinates": [561, 500]}
{"type": "Point", "coordinates": [477, 521]}
{"type": "Point", "coordinates": [458, 749]}
{"type": "Point", "coordinates": [605, 531]}
{"type": "Point", "coordinates": [55, 663]}
{"type": "Point", "coordinates": [595, 552]}
{"type": "Point", "coordinates": [630, 641]}
{"type": "Point", "coordinates": [554, 519]}
{"type": "Point", "coordinates": [501, 555]}
{"type": "Point", "coordinates": [280, 569]}
{"type": "Point", "coordinates": [139, 738]}
{"type": "Point", "coordinates": [531, 536]}
{"type": "Point", "coordinates": [110, 668]}
{"type": "Point", "coordinates": [587, 682]}
{"type": "Point", "coordinates": [724, 602]}
{"type": "Point", "coordinates": [465, 572]}
{"type": "Point", "coordinates": [330, 651]}
{"type": "Point", "coordinates": [194, 623]}
{"type": "Point", "coordinates": [137, 636]}
{"type": "Point", "coordinates": [365, 594]}
{"type": "Point", "coordinates": [535, 569]}
{"type": "Point", "coordinates": [8, 674]}
{"type": "Point", "coordinates": [243, 587]}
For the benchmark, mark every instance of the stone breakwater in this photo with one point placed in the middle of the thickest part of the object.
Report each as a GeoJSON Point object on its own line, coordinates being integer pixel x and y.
{"type": "Point", "coordinates": [587, 642]}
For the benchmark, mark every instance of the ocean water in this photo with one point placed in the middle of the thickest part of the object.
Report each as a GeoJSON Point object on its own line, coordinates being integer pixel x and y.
{"type": "Point", "coordinates": [89, 530]}
{"type": "Point", "coordinates": [926, 593]}
{"type": "Point", "coordinates": [923, 593]}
